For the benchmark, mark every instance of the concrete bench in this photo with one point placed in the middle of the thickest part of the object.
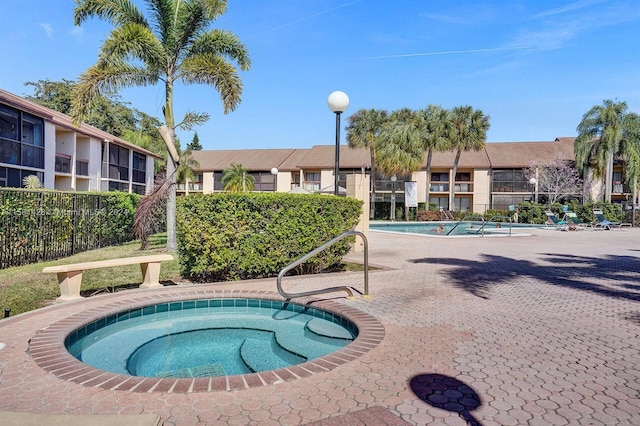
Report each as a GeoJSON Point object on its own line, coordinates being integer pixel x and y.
{"type": "Point", "coordinates": [70, 276]}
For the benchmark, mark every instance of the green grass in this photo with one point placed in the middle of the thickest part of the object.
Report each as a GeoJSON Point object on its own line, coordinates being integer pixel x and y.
{"type": "Point", "coordinates": [24, 288]}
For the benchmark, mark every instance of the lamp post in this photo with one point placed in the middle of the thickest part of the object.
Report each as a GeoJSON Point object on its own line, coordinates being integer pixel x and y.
{"type": "Point", "coordinates": [533, 181]}
{"type": "Point", "coordinates": [394, 178]}
{"type": "Point", "coordinates": [274, 172]}
{"type": "Point", "coordinates": [338, 103]}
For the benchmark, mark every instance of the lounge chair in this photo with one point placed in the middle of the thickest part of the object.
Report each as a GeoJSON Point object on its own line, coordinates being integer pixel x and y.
{"type": "Point", "coordinates": [605, 223]}
{"type": "Point", "coordinates": [554, 222]}
{"type": "Point", "coordinates": [574, 221]}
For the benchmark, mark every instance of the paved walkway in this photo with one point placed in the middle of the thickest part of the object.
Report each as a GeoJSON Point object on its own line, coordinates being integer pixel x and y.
{"type": "Point", "coordinates": [533, 330]}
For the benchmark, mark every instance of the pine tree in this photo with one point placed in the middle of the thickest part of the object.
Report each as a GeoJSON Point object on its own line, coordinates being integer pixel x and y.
{"type": "Point", "coordinates": [194, 145]}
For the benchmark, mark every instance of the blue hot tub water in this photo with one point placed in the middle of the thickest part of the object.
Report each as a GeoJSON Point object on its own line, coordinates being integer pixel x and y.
{"type": "Point", "coordinates": [212, 337]}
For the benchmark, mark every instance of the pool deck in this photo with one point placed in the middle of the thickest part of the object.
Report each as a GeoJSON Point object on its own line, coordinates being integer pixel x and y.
{"type": "Point", "coordinates": [539, 330]}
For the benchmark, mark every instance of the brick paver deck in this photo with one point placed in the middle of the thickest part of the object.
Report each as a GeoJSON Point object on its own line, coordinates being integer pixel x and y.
{"type": "Point", "coordinates": [538, 330]}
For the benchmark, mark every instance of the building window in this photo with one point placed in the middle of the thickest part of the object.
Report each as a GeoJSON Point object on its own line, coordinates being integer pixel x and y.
{"type": "Point", "coordinates": [21, 138]}
{"type": "Point", "coordinates": [139, 174]}
{"type": "Point", "coordinates": [217, 181]}
{"type": "Point", "coordinates": [462, 204]}
{"type": "Point", "coordinates": [82, 167]}
{"type": "Point", "coordinates": [115, 162]}
{"type": "Point", "coordinates": [63, 163]}
{"type": "Point", "coordinates": [439, 183]}
{"type": "Point", "coordinates": [311, 181]}
{"type": "Point", "coordinates": [12, 178]}
{"type": "Point", "coordinates": [510, 180]}
{"type": "Point", "coordinates": [442, 203]}
{"type": "Point", "coordinates": [264, 181]}
{"type": "Point", "coordinates": [295, 179]}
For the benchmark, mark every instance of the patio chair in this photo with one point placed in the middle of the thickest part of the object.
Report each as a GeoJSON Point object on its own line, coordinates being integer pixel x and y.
{"type": "Point", "coordinates": [574, 221]}
{"type": "Point", "coordinates": [554, 222]}
{"type": "Point", "coordinates": [605, 223]}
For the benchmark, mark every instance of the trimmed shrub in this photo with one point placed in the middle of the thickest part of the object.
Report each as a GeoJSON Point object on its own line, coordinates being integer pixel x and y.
{"type": "Point", "coordinates": [234, 236]}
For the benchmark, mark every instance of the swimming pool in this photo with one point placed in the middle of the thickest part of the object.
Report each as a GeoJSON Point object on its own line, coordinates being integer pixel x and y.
{"type": "Point", "coordinates": [209, 337]}
{"type": "Point", "coordinates": [457, 229]}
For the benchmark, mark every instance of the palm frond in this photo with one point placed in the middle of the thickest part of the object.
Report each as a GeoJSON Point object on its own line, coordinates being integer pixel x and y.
{"type": "Point", "coordinates": [223, 43]}
{"type": "Point", "coordinates": [117, 12]}
{"type": "Point", "coordinates": [133, 41]}
{"type": "Point", "coordinates": [107, 79]}
{"type": "Point", "coordinates": [214, 71]}
{"type": "Point", "coordinates": [192, 119]}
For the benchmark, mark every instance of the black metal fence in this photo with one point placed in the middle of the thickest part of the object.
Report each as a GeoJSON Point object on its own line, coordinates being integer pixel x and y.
{"type": "Point", "coordinates": [45, 225]}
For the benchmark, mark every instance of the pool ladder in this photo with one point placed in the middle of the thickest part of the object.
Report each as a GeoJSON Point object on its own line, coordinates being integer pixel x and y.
{"type": "Point", "coordinates": [309, 255]}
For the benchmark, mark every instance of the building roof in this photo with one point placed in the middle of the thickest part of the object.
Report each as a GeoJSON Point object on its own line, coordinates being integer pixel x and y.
{"type": "Point", "coordinates": [250, 159]}
{"type": "Point", "coordinates": [521, 154]}
{"type": "Point", "coordinates": [494, 155]}
{"type": "Point", "coordinates": [62, 120]}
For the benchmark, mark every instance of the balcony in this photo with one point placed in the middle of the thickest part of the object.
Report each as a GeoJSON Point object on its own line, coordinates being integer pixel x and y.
{"type": "Point", "coordinates": [311, 186]}
{"type": "Point", "coordinates": [463, 187]}
{"type": "Point", "coordinates": [192, 186]}
{"type": "Point", "coordinates": [439, 187]}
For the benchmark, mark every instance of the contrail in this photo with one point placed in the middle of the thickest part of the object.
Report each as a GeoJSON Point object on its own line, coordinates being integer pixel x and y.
{"type": "Point", "coordinates": [288, 24]}
{"type": "Point", "coordinates": [450, 52]}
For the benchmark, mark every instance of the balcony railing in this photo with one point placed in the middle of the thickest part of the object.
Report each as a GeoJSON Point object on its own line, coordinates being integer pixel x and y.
{"type": "Point", "coordinates": [463, 187]}
{"type": "Point", "coordinates": [192, 186]}
{"type": "Point", "coordinates": [439, 187]}
{"type": "Point", "coordinates": [311, 186]}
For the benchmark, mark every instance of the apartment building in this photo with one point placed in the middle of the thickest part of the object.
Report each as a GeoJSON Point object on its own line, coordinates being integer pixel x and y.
{"type": "Point", "coordinates": [35, 140]}
{"type": "Point", "coordinates": [492, 178]}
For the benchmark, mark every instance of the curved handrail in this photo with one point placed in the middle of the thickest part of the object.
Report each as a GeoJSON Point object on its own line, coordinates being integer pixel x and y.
{"type": "Point", "coordinates": [469, 216]}
{"type": "Point", "coordinates": [328, 289]}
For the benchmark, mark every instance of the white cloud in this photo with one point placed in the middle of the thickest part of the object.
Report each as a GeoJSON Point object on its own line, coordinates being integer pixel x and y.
{"type": "Point", "coordinates": [77, 33]}
{"type": "Point", "coordinates": [48, 29]}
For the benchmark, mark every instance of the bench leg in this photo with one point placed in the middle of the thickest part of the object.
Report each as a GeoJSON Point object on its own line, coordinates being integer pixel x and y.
{"type": "Point", "coordinates": [150, 275]}
{"type": "Point", "coordinates": [69, 286]}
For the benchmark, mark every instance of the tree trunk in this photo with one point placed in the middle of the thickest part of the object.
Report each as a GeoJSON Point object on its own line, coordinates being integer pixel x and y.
{"type": "Point", "coordinates": [609, 179]}
{"type": "Point", "coordinates": [452, 181]}
{"type": "Point", "coordinates": [428, 191]}
{"type": "Point", "coordinates": [172, 244]}
{"type": "Point", "coordinates": [372, 204]}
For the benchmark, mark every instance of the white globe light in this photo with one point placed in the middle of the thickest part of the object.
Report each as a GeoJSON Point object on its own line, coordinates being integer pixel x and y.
{"type": "Point", "coordinates": [394, 178]}
{"type": "Point", "coordinates": [533, 181]}
{"type": "Point", "coordinates": [338, 101]}
{"type": "Point", "coordinates": [274, 171]}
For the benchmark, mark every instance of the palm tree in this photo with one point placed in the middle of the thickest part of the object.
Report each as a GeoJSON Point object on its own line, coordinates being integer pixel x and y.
{"type": "Point", "coordinates": [630, 152]}
{"type": "Point", "coordinates": [466, 131]}
{"type": "Point", "coordinates": [435, 122]}
{"type": "Point", "coordinates": [184, 171]}
{"type": "Point", "coordinates": [174, 45]}
{"type": "Point", "coordinates": [599, 136]}
{"type": "Point", "coordinates": [400, 144]}
{"type": "Point", "coordinates": [363, 130]}
{"type": "Point", "coordinates": [237, 179]}
{"type": "Point", "coordinates": [31, 182]}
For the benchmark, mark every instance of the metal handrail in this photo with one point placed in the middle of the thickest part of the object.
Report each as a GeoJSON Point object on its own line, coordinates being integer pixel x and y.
{"type": "Point", "coordinates": [469, 216]}
{"type": "Point", "coordinates": [328, 289]}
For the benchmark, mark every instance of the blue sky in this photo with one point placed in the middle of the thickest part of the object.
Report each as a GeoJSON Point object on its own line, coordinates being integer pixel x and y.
{"type": "Point", "coordinates": [535, 67]}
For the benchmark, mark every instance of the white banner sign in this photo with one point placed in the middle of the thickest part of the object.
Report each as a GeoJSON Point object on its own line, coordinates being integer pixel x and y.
{"type": "Point", "coordinates": [411, 194]}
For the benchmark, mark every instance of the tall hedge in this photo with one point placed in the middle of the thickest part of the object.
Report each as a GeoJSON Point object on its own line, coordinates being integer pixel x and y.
{"type": "Point", "coordinates": [233, 236]}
